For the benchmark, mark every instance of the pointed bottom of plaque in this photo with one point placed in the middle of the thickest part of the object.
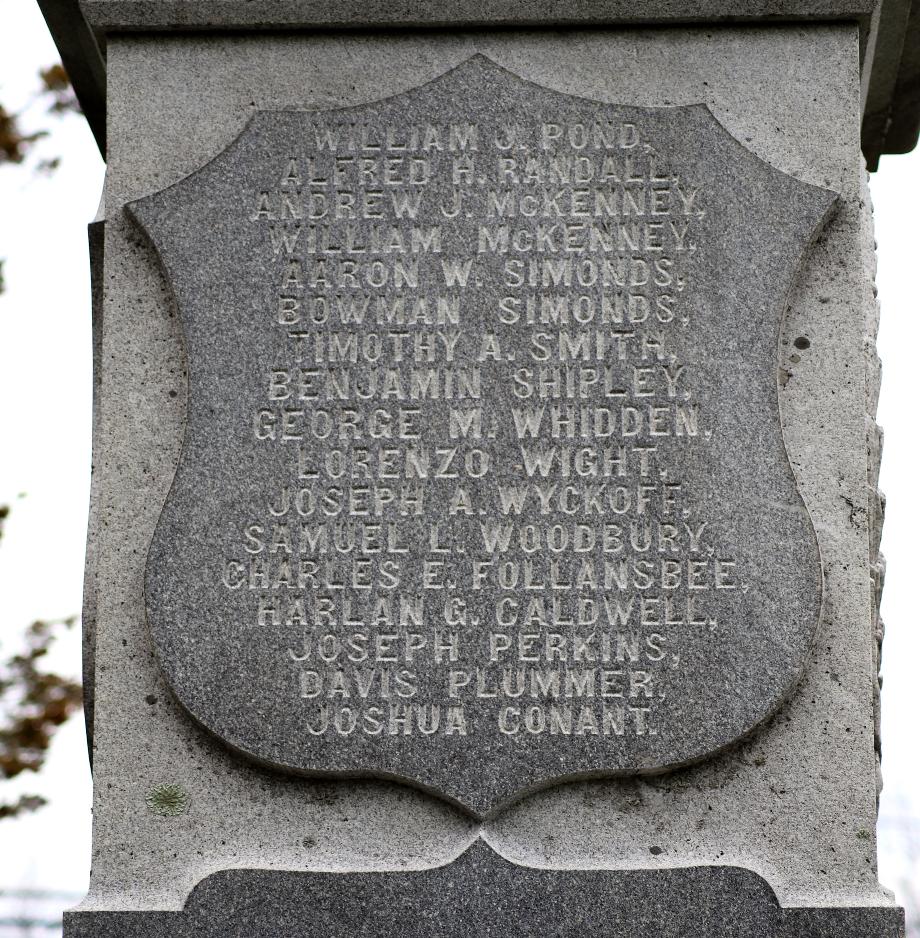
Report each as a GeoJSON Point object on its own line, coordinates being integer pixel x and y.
{"type": "Point", "coordinates": [482, 894]}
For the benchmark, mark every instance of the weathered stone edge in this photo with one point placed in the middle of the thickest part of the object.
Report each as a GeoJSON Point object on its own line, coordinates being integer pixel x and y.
{"type": "Point", "coordinates": [81, 27]}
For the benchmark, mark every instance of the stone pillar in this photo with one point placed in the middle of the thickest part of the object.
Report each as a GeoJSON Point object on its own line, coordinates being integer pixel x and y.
{"type": "Point", "coordinates": [485, 525]}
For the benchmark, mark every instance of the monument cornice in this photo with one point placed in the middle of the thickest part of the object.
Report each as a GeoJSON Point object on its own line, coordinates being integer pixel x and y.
{"type": "Point", "coordinates": [888, 31]}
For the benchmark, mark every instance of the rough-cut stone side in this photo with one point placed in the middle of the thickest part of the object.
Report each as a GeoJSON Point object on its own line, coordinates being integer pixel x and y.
{"type": "Point", "coordinates": [499, 898]}
{"type": "Point", "coordinates": [874, 442]}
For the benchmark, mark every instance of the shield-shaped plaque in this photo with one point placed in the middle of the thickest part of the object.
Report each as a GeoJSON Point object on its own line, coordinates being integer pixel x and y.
{"type": "Point", "coordinates": [483, 483]}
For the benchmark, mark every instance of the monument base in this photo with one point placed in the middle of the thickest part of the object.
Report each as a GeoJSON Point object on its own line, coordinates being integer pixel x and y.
{"type": "Point", "coordinates": [482, 894]}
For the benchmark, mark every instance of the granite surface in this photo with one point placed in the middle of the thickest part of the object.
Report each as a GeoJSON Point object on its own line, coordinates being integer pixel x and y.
{"type": "Point", "coordinates": [480, 894]}
{"type": "Point", "coordinates": [483, 484]}
{"type": "Point", "coordinates": [794, 802]}
{"type": "Point", "coordinates": [883, 31]}
{"type": "Point", "coordinates": [104, 15]}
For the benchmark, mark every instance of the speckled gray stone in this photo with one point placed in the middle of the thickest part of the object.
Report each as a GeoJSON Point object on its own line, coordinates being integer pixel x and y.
{"type": "Point", "coordinates": [483, 484]}
{"type": "Point", "coordinates": [482, 894]}
{"type": "Point", "coordinates": [107, 16]}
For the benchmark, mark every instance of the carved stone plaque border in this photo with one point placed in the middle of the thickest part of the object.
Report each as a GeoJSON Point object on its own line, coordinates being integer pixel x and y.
{"type": "Point", "coordinates": [483, 484]}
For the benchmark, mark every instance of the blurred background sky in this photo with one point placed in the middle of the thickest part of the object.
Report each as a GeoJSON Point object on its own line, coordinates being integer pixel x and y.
{"type": "Point", "coordinates": [45, 419]}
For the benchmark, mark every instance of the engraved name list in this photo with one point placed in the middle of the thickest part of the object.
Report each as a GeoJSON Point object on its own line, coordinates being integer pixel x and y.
{"type": "Point", "coordinates": [485, 457]}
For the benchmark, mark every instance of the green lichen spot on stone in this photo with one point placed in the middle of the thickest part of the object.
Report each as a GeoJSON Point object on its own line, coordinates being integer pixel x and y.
{"type": "Point", "coordinates": [168, 800]}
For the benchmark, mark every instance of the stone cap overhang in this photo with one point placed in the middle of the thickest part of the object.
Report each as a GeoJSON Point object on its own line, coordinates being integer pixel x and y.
{"type": "Point", "coordinates": [889, 36]}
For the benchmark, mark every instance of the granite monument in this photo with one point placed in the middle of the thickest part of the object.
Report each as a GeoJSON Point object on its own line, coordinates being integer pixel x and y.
{"type": "Point", "coordinates": [484, 518]}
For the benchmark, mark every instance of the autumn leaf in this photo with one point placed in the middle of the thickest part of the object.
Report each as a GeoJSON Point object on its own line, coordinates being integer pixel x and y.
{"type": "Point", "coordinates": [57, 84]}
